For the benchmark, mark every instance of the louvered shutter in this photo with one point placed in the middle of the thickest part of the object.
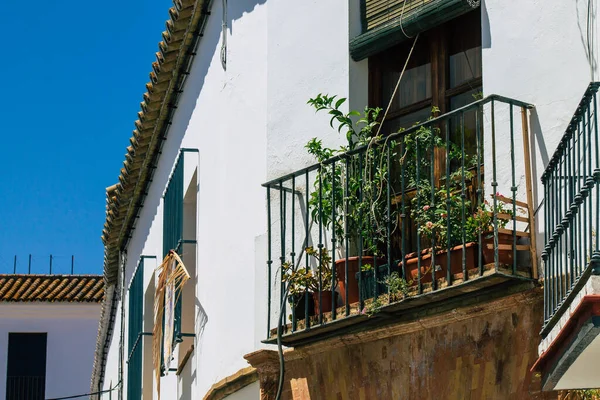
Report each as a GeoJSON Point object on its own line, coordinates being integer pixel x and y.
{"type": "Point", "coordinates": [385, 24]}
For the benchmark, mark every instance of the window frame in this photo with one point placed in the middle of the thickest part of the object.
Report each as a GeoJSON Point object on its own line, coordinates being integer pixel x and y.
{"type": "Point", "coordinates": [439, 53]}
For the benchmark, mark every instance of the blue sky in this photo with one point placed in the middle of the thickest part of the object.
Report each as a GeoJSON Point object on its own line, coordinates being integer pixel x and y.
{"type": "Point", "coordinates": [73, 77]}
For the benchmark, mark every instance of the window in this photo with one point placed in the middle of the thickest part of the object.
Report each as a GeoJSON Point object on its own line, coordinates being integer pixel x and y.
{"type": "Point", "coordinates": [26, 367]}
{"type": "Point", "coordinates": [444, 71]}
{"type": "Point", "coordinates": [179, 233]}
{"type": "Point", "coordinates": [135, 338]}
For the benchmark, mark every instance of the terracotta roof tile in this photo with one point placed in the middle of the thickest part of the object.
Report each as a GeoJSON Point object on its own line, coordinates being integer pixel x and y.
{"type": "Point", "coordinates": [52, 288]}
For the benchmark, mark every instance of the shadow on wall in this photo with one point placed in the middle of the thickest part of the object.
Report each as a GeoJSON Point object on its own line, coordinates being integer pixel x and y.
{"type": "Point", "coordinates": [207, 47]}
{"type": "Point", "coordinates": [486, 29]}
{"type": "Point", "coordinates": [537, 144]}
{"type": "Point", "coordinates": [585, 13]}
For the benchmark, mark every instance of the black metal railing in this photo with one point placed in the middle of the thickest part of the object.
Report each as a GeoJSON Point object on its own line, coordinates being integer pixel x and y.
{"type": "Point", "coordinates": [400, 216]}
{"type": "Point", "coordinates": [25, 387]}
{"type": "Point", "coordinates": [572, 208]}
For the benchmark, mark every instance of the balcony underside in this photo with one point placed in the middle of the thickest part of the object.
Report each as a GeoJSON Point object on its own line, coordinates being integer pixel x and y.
{"type": "Point", "coordinates": [475, 290]}
{"type": "Point", "coordinates": [570, 344]}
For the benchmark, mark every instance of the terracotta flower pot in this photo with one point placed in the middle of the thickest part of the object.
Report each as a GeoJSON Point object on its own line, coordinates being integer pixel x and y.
{"type": "Point", "coordinates": [326, 297]}
{"type": "Point", "coordinates": [353, 268]}
{"type": "Point", "coordinates": [441, 260]}
{"type": "Point", "coordinates": [505, 257]}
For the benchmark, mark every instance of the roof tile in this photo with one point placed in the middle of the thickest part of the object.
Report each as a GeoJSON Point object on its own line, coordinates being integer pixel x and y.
{"type": "Point", "coordinates": [51, 288]}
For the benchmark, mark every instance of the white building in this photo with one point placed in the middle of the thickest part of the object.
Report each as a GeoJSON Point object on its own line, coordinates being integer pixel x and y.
{"type": "Point", "coordinates": [225, 111]}
{"type": "Point", "coordinates": [48, 332]}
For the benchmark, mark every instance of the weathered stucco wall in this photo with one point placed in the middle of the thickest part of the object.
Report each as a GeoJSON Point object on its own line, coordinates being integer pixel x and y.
{"type": "Point", "coordinates": [486, 353]}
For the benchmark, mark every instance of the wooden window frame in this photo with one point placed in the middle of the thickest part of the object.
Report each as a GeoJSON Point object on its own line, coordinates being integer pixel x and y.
{"type": "Point", "coordinates": [437, 41]}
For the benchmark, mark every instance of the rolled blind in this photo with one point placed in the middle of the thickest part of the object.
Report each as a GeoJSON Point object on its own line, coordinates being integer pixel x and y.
{"type": "Point", "coordinates": [378, 12]}
{"type": "Point", "coordinates": [385, 24]}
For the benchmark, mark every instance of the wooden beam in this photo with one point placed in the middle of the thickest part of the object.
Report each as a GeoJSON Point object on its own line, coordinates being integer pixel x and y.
{"type": "Point", "coordinates": [510, 201]}
{"type": "Point", "coordinates": [529, 184]}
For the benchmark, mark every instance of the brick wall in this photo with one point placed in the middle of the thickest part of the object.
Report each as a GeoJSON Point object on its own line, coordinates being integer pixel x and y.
{"type": "Point", "coordinates": [479, 352]}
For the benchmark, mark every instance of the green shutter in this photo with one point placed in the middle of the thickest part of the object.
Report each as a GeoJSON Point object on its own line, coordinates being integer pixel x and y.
{"type": "Point", "coordinates": [135, 338]}
{"type": "Point", "coordinates": [173, 229]}
{"type": "Point", "coordinates": [382, 26]}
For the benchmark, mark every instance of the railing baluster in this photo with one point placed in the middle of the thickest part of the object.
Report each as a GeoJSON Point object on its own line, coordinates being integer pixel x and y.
{"type": "Point", "coordinates": [282, 229]}
{"type": "Point", "coordinates": [584, 191]}
{"type": "Point", "coordinates": [389, 221]}
{"type": "Point", "coordinates": [320, 245]}
{"type": "Point", "coordinates": [555, 259]}
{"type": "Point", "coordinates": [559, 227]}
{"type": "Point", "coordinates": [334, 226]}
{"type": "Point", "coordinates": [570, 147]}
{"type": "Point", "coordinates": [596, 255]}
{"type": "Point", "coordinates": [463, 196]}
{"type": "Point", "coordinates": [448, 201]}
{"type": "Point", "coordinates": [374, 224]}
{"type": "Point", "coordinates": [403, 215]}
{"type": "Point", "coordinates": [513, 190]}
{"type": "Point", "coordinates": [346, 201]}
{"type": "Point", "coordinates": [479, 190]}
{"type": "Point", "coordinates": [306, 263]}
{"type": "Point", "coordinates": [269, 261]}
{"type": "Point", "coordinates": [545, 253]}
{"type": "Point", "coordinates": [577, 200]}
{"type": "Point", "coordinates": [361, 300]}
{"type": "Point", "coordinates": [418, 172]}
{"type": "Point", "coordinates": [432, 204]}
{"type": "Point", "coordinates": [494, 189]}
{"type": "Point", "coordinates": [565, 220]}
{"type": "Point", "coordinates": [293, 253]}
{"type": "Point", "coordinates": [590, 179]}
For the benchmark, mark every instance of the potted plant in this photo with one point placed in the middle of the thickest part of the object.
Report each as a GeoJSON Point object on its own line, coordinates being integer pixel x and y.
{"type": "Point", "coordinates": [440, 224]}
{"type": "Point", "coordinates": [482, 223]}
{"type": "Point", "coordinates": [300, 283]}
{"type": "Point", "coordinates": [437, 211]}
{"type": "Point", "coordinates": [320, 282]}
{"type": "Point", "coordinates": [361, 212]}
{"type": "Point", "coordinates": [367, 279]}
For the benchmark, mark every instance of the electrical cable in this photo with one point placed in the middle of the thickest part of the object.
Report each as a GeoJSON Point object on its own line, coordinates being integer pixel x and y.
{"type": "Point", "coordinates": [224, 37]}
{"type": "Point", "coordinates": [281, 309]}
{"type": "Point", "coordinates": [280, 322]}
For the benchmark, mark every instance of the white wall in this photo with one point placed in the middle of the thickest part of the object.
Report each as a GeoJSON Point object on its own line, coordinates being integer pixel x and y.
{"type": "Point", "coordinates": [72, 330]}
{"type": "Point", "coordinates": [535, 51]}
{"type": "Point", "coordinates": [249, 122]}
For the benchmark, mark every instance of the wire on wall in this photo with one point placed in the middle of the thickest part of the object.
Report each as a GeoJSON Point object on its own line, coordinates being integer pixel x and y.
{"type": "Point", "coordinates": [224, 37]}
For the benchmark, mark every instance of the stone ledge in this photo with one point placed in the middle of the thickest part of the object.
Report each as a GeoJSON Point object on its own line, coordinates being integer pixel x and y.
{"type": "Point", "coordinates": [232, 384]}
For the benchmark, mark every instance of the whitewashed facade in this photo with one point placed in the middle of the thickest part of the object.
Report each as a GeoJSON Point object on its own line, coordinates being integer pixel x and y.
{"type": "Point", "coordinates": [64, 310]}
{"type": "Point", "coordinates": [249, 123]}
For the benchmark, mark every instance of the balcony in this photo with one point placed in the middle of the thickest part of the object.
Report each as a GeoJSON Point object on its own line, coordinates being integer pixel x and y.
{"type": "Point", "coordinates": [391, 227]}
{"type": "Point", "coordinates": [571, 180]}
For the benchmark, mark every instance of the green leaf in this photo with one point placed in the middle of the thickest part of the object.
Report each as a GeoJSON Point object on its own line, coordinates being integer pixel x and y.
{"type": "Point", "coordinates": [340, 102]}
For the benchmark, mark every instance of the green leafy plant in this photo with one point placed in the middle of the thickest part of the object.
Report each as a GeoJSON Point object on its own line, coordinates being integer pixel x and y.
{"type": "Point", "coordinates": [363, 208]}
{"type": "Point", "coordinates": [366, 267]}
{"type": "Point", "coordinates": [481, 222]}
{"type": "Point", "coordinates": [299, 280]}
{"type": "Point", "coordinates": [398, 286]}
{"type": "Point", "coordinates": [323, 272]}
{"type": "Point", "coordinates": [398, 289]}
